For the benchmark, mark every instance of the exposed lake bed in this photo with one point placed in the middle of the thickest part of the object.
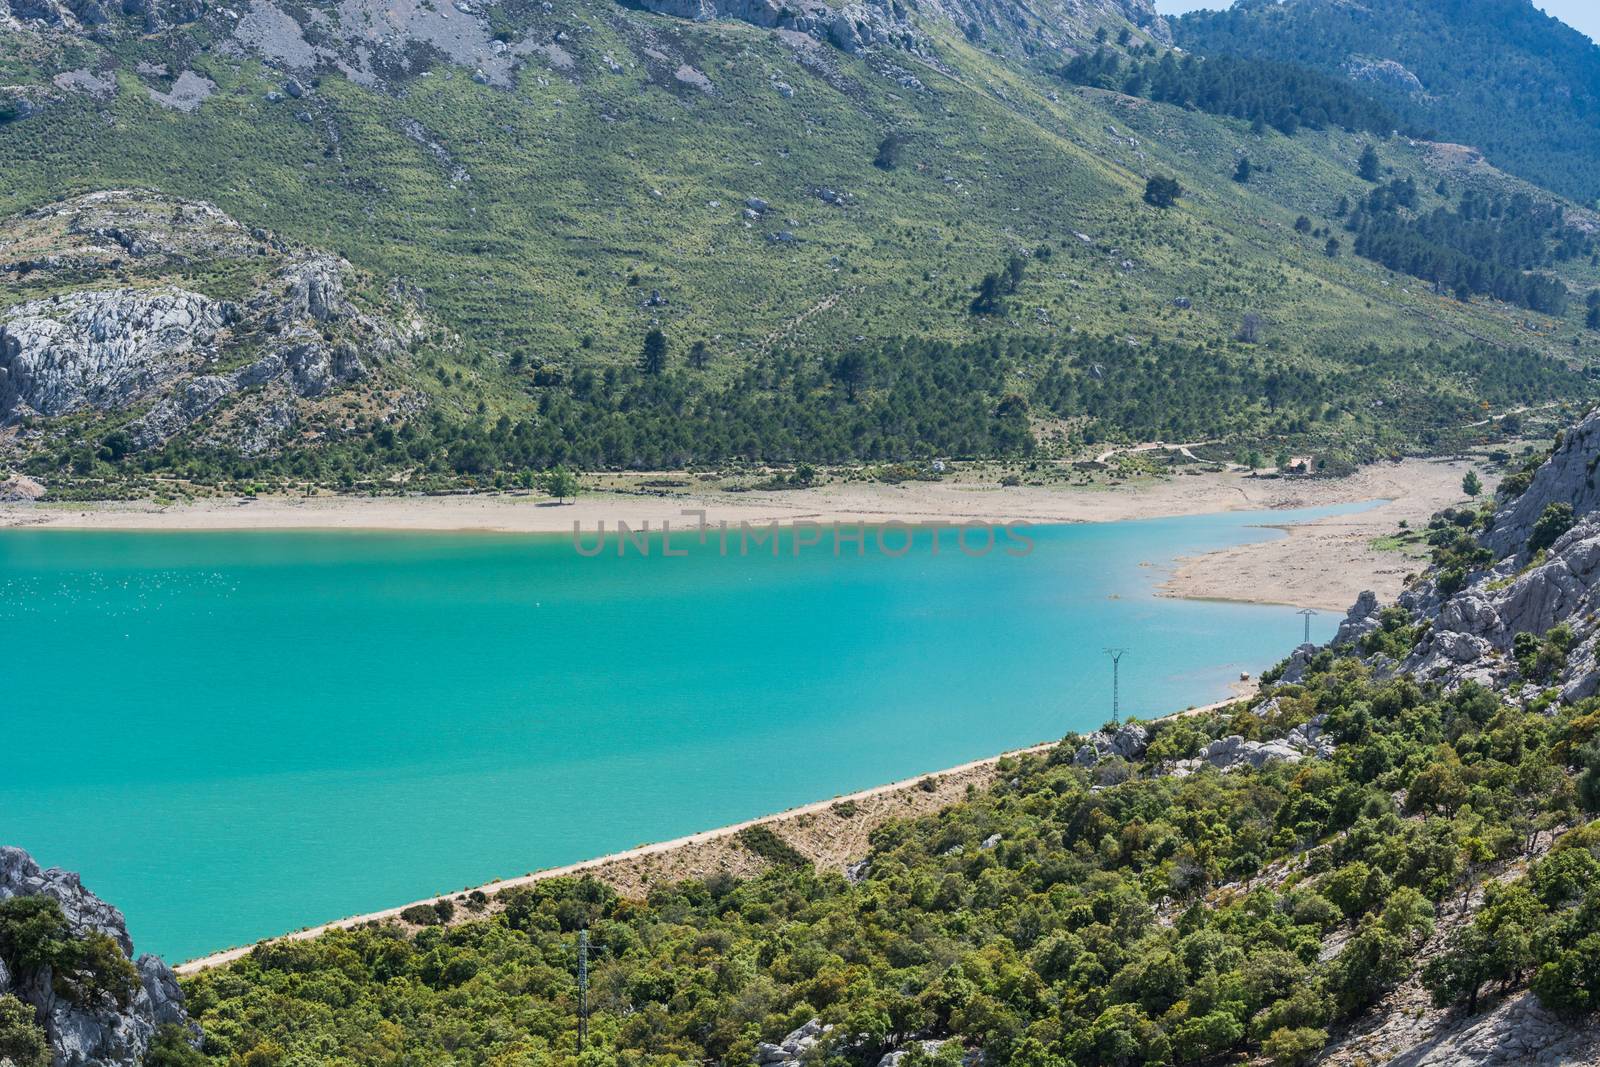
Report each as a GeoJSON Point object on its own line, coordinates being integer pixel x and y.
{"type": "Point", "coordinates": [1323, 564]}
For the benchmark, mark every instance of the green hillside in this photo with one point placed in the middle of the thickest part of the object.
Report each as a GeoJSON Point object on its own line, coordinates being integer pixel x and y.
{"type": "Point", "coordinates": [549, 213]}
{"type": "Point", "coordinates": [1500, 75]}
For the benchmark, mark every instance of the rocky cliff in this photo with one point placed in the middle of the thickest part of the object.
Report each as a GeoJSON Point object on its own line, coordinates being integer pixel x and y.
{"type": "Point", "coordinates": [1526, 616]}
{"type": "Point", "coordinates": [1054, 24]}
{"type": "Point", "coordinates": [83, 1030]}
{"type": "Point", "coordinates": [381, 43]}
{"type": "Point", "coordinates": [121, 330]}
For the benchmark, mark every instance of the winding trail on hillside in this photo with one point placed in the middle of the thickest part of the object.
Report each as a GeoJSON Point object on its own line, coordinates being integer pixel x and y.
{"type": "Point", "coordinates": [1154, 446]}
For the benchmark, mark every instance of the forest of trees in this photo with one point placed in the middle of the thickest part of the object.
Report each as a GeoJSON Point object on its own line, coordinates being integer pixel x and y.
{"type": "Point", "coordinates": [1488, 245]}
{"type": "Point", "coordinates": [1280, 95]}
{"type": "Point", "coordinates": [901, 401]}
{"type": "Point", "coordinates": [1496, 74]}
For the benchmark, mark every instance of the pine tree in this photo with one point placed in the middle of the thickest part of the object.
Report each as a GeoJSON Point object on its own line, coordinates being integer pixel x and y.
{"type": "Point", "coordinates": [989, 300]}
{"type": "Point", "coordinates": [1162, 191]}
{"type": "Point", "coordinates": [1370, 168]}
{"type": "Point", "coordinates": [653, 357]}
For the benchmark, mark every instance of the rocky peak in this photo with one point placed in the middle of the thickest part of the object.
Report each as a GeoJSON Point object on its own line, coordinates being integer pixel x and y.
{"type": "Point", "coordinates": [1567, 477]}
{"type": "Point", "coordinates": [98, 1034]}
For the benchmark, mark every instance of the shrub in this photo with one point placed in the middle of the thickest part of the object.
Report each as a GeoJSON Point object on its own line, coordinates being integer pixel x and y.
{"type": "Point", "coordinates": [1294, 1048]}
{"type": "Point", "coordinates": [171, 1048]}
{"type": "Point", "coordinates": [1569, 984]}
{"type": "Point", "coordinates": [421, 915]}
{"type": "Point", "coordinates": [88, 969]}
{"type": "Point", "coordinates": [1555, 520]}
{"type": "Point", "coordinates": [1162, 191]}
{"type": "Point", "coordinates": [21, 1041]}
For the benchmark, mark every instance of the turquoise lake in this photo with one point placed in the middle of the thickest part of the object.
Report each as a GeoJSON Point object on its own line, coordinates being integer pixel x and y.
{"type": "Point", "coordinates": [232, 735]}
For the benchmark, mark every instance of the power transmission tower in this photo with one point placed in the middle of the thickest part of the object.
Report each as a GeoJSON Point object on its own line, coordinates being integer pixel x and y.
{"type": "Point", "coordinates": [1116, 655]}
{"type": "Point", "coordinates": [583, 987]}
{"type": "Point", "coordinates": [1306, 614]}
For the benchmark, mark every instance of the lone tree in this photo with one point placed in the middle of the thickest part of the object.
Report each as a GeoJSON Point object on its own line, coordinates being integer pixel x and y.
{"type": "Point", "coordinates": [1242, 173]}
{"type": "Point", "coordinates": [990, 299]}
{"type": "Point", "coordinates": [1014, 271]}
{"type": "Point", "coordinates": [562, 484]}
{"type": "Point", "coordinates": [1162, 191]}
{"type": "Point", "coordinates": [851, 372]}
{"type": "Point", "coordinates": [1332, 248]}
{"type": "Point", "coordinates": [888, 156]}
{"type": "Point", "coordinates": [1249, 329]}
{"type": "Point", "coordinates": [1472, 485]}
{"type": "Point", "coordinates": [699, 356]}
{"type": "Point", "coordinates": [653, 357]}
{"type": "Point", "coordinates": [1370, 168]}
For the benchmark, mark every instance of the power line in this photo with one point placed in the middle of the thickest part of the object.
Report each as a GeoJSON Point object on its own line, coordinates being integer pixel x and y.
{"type": "Point", "coordinates": [1306, 613]}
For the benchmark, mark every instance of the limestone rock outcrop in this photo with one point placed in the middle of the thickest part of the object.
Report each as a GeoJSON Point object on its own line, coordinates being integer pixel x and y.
{"type": "Point", "coordinates": [1362, 618]}
{"type": "Point", "coordinates": [98, 348]}
{"type": "Point", "coordinates": [157, 359]}
{"type": "Point", "coordinates": [1493, 626]}
{"type": "Point", "coordinates": [1128, 742]}
{"type": "Point", "coordinates": [1472, 634]}
{"type": "Point", "coordinates": [19, 488]}
{"type": "Point", "coordinates": [1517, 1031]}
{"type": "Point", "coordinates": [1132, 740]}
{"type": "Point", "coordinates": [853, 27]}
{"type": "Point", "coordinates": [1568, 477]}
{"type": "Point", "coordinates": [789, 1051]}
{"type": "Point", "coordinates": [100, 1034]}
{"type": "Point", "coordinates": [1234, 751]}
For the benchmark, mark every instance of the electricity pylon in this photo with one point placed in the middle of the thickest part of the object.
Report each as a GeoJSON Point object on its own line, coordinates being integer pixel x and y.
{"type": "Point", "coordinates": [1116, 655]}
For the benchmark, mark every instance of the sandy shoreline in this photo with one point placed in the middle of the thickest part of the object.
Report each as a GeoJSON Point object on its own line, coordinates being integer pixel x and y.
{"type": "Point", "coordinates": [819, 831]}
{"type": "Point", "coordinates": [1322, 564]}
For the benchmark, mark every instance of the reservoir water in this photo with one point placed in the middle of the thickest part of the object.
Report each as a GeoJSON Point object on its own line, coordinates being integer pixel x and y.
{"type": "Point", "coordinates": [232, 735]}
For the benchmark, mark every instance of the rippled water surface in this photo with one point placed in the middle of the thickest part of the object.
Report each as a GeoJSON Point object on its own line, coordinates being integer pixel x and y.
{"type": "Point", "coordinates": [236, 734]}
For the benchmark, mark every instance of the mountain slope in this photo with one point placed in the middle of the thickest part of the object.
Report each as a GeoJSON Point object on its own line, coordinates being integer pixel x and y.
{"type": "Point", "coordinates": [552, 182]}
{"type": "Point", "coordinates": [1496, 74]}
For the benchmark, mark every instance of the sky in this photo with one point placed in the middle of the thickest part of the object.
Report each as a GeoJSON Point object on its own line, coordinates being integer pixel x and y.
{"type": "Point", "coordinates": [1581, 14]}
